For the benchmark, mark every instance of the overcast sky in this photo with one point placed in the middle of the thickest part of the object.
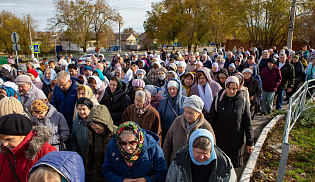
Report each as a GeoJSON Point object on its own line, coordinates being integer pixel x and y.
{"type": "Point", "coordinates": [132, 11]}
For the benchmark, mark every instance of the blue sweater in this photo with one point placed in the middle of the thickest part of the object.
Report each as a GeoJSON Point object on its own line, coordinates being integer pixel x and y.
{"type": "Point", "coordinates": [150, 164]}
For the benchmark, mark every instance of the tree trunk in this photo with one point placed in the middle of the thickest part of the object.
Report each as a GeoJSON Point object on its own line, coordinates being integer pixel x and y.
{"type": "Point", "coordinates": [189, 47]}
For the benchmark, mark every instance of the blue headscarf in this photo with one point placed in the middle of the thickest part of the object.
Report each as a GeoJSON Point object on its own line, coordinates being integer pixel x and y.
{"type": "Point", "coordinates": [11, 92]}
{"type": "Point", "coordinates": [53, 75]}
{"type": "Point", "coordinates": [100, 74]}
{"type": "Point", "coordinates": [109, 65]}
{"type": "Point", "coordinates": [198, 133]}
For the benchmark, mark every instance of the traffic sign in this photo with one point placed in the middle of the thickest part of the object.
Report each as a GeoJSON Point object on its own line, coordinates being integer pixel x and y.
{"type": "Point", "coordinates": [36, 48]}
{"type": "Point", "coordinates": [137, 39]}
{"type": "Point", "coordinates": [15, 38]}
{"type": "Point", "coordinates": [16, 47]}
{"type": "Point", "coordinates": [174, 44]}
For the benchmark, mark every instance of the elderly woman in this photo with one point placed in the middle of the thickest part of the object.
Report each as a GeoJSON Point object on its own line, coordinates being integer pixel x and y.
{"type": "Point", "coordinates": [101, 131]}
{"type": "Point", "coordinates": [142, 113]}
{"type": "Point", "coordinates": [201, 161]}
{"type": "Point", "coordinates": [134, 155]}
{"type": "Point", "coordinates": [84, 91]}
{"type": "Point", "coordinates": [97, 86]}
{"type": "Point", "coordinates": [230, 128]}
{"type": "Point", "coordinates": [160, 82]}
{"type": "Point", "coordinates": [79, 136]}
{"type": "Point", "coordinates": [49, 75]}
{"type": "Point", "coordinates": [244, 90]}
{"type": "Point", "coordinates": [116, 99]}
{"type": "Point", "coordinates": [215, 70]}
{"type": "Point", "coordinates": [178, 134]}
{"type": "Point", "coordinates": [28, 91]}
{"type": "Point", "coordinates": [205, 88]}
{"type": "Point", "coordinates": [44, 114]}
{"type": "Point", "coordinates": [141, 75]}
{"type": "Point", "coordinates": [172, 106]}
{"type": "Point", "coordinates": [35, 78]}
{"type": "Point", "coordinates": [137, 85]}
{"type": "Point", "coordinates": [155, 98]}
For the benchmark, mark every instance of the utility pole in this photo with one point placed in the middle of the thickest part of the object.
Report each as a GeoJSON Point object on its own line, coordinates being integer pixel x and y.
{"type": "Point", "coordinates": [291, 25]}
{"type": "Point", "coordinates": [29, 29]}
{"type": "Point", "coordinates": [119, 49]}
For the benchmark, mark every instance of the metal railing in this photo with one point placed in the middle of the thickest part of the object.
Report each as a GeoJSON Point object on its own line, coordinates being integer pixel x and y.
{"type": "Point", "coordinates": [296, 108]}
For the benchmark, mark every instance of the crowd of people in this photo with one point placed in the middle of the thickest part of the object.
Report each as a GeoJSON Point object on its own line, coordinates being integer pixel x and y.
{"type": "Point", "coordinates": [174, 116]}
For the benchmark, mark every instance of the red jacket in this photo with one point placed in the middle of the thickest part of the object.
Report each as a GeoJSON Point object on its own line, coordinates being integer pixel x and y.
{"type": "Point", "coordinates": [25, 155]}
{"type": "Point", "coordinates": [271, 79]}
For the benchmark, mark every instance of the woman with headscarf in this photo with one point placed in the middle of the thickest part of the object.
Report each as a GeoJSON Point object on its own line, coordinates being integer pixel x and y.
{"type": "Point", "coordinates": [172, 106]}
{"type": "Point", "coordinates": [178, 134]}
{"type": "Point", "coordinates": [97, 86]}
{"type": "Point", "coordinates": [9, 92]}
{"type": "Point", "coordinates": [134, 154]}
{"type": "Point", "coordinates": [188, 81]}
{"type": "Point", "coordinates": [215, 70]}
{"type": "Point", "coordinates": [244, 90]}
{"type": "Point", "coordinates": [155, 98]}
{"type": "Point", "coordinates": [201, 161]}
{"type": "Point", "coordinates": [137, 84]}
{"type": "Point", "coordinates": [205, 88]}
{"type": "Point", "coordinates": [83, 79]}
{"type": "Point", "coordinates": [116, 99]}
{"type": "Point", "coordinates": [230, 128]}
{"type": "Point", "coordinates": [222, 76]}
{"type": "Point", "coordinates": [221, 61]}
{"type": "Point", "coordinates": [142, 113]}
{"type": "Point", "coordinates": [141, 74]}
{"type": "Point", "coordinates": [99, 73]}
{"type": "Point", "coordinates": [49, 75]}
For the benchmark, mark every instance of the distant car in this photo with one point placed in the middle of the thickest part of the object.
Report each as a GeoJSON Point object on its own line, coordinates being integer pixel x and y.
{"type": "Point", "coordinates": [83, 58]}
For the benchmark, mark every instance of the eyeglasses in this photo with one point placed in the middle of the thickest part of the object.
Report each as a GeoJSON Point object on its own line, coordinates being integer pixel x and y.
{"type": "Point", "coordinates": [62, 86]}
{"type": "Point", "coordinates": [133, 143]}
{"type": "Point", "coordinates": [36, 113]}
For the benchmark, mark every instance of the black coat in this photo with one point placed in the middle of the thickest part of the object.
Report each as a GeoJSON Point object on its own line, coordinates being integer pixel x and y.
{"type": "Point", "coordinates": [287, 74]}
{"type": "Point", "coordinates": [299, 72]}
{"type": "Point", "coordinates": [254, 88]}
{"type": "Point", "coordinates": [46, 88]}
{"type": "Point", "coordinates": [229, 128]}
{"type": "Point", "coordinates": [117, 103]}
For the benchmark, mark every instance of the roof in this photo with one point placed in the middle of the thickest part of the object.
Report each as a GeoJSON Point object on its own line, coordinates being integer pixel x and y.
{"type": "Point", "coordinates": [124, 36]}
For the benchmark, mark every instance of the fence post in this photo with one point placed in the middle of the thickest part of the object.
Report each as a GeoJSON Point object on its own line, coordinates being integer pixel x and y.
{"type": "Point", "coordinates": [283, 161]}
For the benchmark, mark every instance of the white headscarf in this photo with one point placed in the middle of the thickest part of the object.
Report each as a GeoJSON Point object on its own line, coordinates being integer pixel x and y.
{"type": "Point", "coordinates": [99, 82]}
{"type": "Point", "coordinates": [206, 96]}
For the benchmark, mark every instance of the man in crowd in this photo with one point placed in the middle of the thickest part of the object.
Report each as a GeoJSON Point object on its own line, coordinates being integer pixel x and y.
{"type": "Point", "coordinates": [229, 59]}
{"type": "Point", "coordinates": [264, 60]}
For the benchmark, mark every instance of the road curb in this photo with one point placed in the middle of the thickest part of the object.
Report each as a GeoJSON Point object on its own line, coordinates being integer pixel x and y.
{"type": "Point", "coordinates": [250, 165]}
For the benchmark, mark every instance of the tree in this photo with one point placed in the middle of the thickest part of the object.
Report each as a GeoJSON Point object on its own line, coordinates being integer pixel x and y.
{"type": "Point", "coordinates": [46, 42]}
{"type": "Point", "coordinates": [10, 23]}
{"type": "Point", "coordinates": [83, 20]}
{"type": "Point", "coordinates": [129, 30]}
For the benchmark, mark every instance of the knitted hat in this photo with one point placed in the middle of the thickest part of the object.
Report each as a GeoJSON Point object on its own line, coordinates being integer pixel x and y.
{"type": "Point", "coordinates": [271, 60]}
{"type": "Point", "coordinates": [296, 56]}
{"type": "Point", "coordinates": [23, 80]}
{"type": "Point", "coordinates": [152, 89]}
{"type": "Point", "coordinates": [247, 70]}
{"type": "Point", "coordinates": [173, 66]}
{"type": "Point", "coordinates": [38, 106]}
{"type": "Point", "coordinates": [141, 71]}
{"type": "Point", "coordinates": [6, 66]}
{"type": "Point", "coordinates": [22, 68]}
{"type": "Point", "coordinates": [15, 124]}
{"type": "Point", "coordinates": [85, 101]}
{"type": "Point", "coordinates": [87, 68]}
{"type": "Point", "coordinates": [173, 83]}
{"type": "Point", "coordinates": [232, 79]}
{"type": "Point", "coordinates": [138, 83]}
{"type": "Point", "coordinates": [162, 69]}
{"type": "Point", "coordinates": [10, 105]}
{"type": "Point", "coordinates": [194, 102]}
{"type": "Point", "coordinates": [33, 72]}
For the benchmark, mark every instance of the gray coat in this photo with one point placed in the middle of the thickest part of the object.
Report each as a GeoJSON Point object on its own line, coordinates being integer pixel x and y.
{"type": "Point", "coordinates": [57, 125]}
{"type": "Point", "coordinates": [180, 169]}
{"type": "Point", "coordinates": [33, 94]}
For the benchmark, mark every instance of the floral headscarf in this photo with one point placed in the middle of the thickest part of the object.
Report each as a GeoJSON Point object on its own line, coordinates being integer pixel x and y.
{"type": "Point", "coordinates": [147, 101]}
{"type": "Point", "coordinates": [130, 159]}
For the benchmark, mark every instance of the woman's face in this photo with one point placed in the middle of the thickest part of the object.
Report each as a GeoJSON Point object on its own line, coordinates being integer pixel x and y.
{"type": "Point", "coordinates": [98, 128]}
{"type": "Point", "coordinates": [92, 86]}
{"type": "Point", "coordinates": [214, 69]}
{"type": "Point", "coordinates": [117, 73]}
{"type": "Point", "coordinates": [198, 66]}
{"type": "Point", "coordinates": [81, 93]}
{"type": "Point", "coordinates": [202, 80]}
{"type": "Point", "coordinates": [191, 115]}
{"type": "Point", "coordinates": [232, 90]}
{"type": "Point", "coordinates": [201, 155]}
{"type": "Point", "coordinates": [3, 92]}
{"type": "Point", "coordinates": [83, 111]}
{"type": "Point", "coordinates": [252, 68]}
{"type": "Point", "coordinates": [140, 64]}
{"type": "Point", "coordinates": [129, 143]}
{"type": "Point", "coordinates": [88, 63]}
{"type": "Point", "coordinates": [180, 69]}
{"type": "Point", "coordinates": [188, 81]}
{"type": "Point", "coordinates": [139, 102]}
{"type": "Point", "coordinates": [48, 74]}
{"type": "Point", "coordinates": [40, 114]}
{"type": "Point", "coordinates": [247, 75]}
{"type": "Point", "coordinates": [122, 75]}
{"type": "Point", "coordinates": [112, 85]}
{"type": "Point", "coordinates": [172, 91]}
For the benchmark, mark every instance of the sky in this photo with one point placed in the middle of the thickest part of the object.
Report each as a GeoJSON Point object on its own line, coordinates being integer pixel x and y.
{"type": "Point", "coordinates": [132, 11]}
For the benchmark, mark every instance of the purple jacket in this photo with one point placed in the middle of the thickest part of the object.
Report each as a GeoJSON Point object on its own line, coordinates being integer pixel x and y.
{"type": "Point", "coordinates": [271, 79]}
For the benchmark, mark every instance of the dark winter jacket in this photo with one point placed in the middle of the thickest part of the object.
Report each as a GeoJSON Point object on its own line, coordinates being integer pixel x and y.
{"type": "Point", "coordinates": [160, 83]}
{"type": "Point", "coordinates": [65, 103]}
{"type": "Point", "coordinates": [79, 137]}
{"type": "Point", "coordinates": [25, 155]}
{"type": "Point", "coordinates": [228, 62]}
{"type": "Point", "coordinates": [98, 143]}
{"type": "Point", "coordinates": [287, 76]}
{"type": "Point", "coordinates": [150, 164]}
{"type": "Point", "coordinates": [229, 128]}
{"type": "Point", "coordinates": [254, 88]}
{"type": "Point", "coordinates": [46, 89]}
{"type": "Point", "coordinates": [270, 78]}
{"type": "Point", "coordinates": [168, 106]}
{"type": "Point", "coordinates": [180, 169]}
{"type": "Point", "coordinates": [116, 104]}
{"type": "Point", "coordinates": [225, 72]}
{"type": "Point", "coordinates": [69, 164]}
{"type": "Point", "coordinates": [263, 64]}
{"type": "Point", "coordinates": [155, 103]}
{"type": "Point", "coordinates": [298, 72]}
